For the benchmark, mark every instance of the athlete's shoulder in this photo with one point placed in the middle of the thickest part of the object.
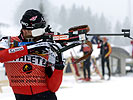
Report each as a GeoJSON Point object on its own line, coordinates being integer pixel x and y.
{"type": "Point", "coordinates": [14, 38]}
{"type": "Point", "coordinates": [4, 42]}
{"type": "Point", "coordinates": [3, 38]}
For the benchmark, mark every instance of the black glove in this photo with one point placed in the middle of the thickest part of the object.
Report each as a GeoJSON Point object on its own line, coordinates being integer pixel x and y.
{"type": "Point", "coordinates": [59, 63]}
{"type": "Point", "coordinates": [48, 71]}
{"type": "Point", "coordinates": [38, 48]}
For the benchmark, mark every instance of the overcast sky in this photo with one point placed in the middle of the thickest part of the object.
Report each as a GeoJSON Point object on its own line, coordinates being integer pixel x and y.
{"type": "Point", "coordinates": [7, 9]}
{"type": "Point", "coordinates": [112, 9]}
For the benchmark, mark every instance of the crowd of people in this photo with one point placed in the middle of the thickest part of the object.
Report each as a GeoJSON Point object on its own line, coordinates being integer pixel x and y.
{"type": "Point", "coordinates": [105, 51]}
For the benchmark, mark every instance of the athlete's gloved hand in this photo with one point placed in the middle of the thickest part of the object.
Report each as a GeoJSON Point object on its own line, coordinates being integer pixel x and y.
{"type": "Point", "coordinates": [38, 48]}
{"type": "Point", "coordinates": [59, 63]}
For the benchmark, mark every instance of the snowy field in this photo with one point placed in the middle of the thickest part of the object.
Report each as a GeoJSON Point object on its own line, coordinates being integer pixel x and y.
{"type": "Point", "coordinates": [118, 88]}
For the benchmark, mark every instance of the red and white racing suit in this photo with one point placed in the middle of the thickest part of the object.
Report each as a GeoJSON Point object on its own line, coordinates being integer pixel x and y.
{"type": "Point", "coordinates": [26, 73]}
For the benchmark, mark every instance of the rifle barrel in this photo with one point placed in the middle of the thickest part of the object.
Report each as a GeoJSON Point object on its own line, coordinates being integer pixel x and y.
{"type": "Point", "coordinates": [105, 34]}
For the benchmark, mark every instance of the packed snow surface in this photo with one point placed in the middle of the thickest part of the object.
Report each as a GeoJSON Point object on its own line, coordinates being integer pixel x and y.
{"type": "Point", "coordinates": [118, 88]}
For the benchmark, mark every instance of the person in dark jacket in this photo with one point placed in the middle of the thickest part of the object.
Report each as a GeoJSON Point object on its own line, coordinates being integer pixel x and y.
{"type": "Point", "coordinates": [86, 48]}
{"type": "Point", "coordinates": [105, 51]}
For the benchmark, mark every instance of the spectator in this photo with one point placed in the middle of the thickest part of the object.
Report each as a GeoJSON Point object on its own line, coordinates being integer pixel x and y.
{"type": "Point", "coordinates": [105, 51]}
{"type": "Point", "coordinates": [86, 48]}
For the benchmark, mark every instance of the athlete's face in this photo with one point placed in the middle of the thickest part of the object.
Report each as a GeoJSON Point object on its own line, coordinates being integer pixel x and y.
{"type": "Point", "coordinates": [27, 33]}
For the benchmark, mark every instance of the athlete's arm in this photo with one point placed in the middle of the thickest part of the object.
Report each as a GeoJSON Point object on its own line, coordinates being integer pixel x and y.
{"type": "Point", "coordinates": [9, 54]}
{"type": "Point", "coordinates": [109, 50]}
{"type": "Point", "coordinates": [12, 53]}
{"type": "Point", "coordinates": [55, 80]}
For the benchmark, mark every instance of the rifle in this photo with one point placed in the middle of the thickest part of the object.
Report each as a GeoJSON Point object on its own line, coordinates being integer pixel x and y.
{"type": "Point", "coordinates": [76, 35]}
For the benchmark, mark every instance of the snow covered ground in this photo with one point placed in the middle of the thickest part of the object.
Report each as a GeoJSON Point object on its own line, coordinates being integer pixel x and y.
{"type": "Point", "coordinates": [118, 88]}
